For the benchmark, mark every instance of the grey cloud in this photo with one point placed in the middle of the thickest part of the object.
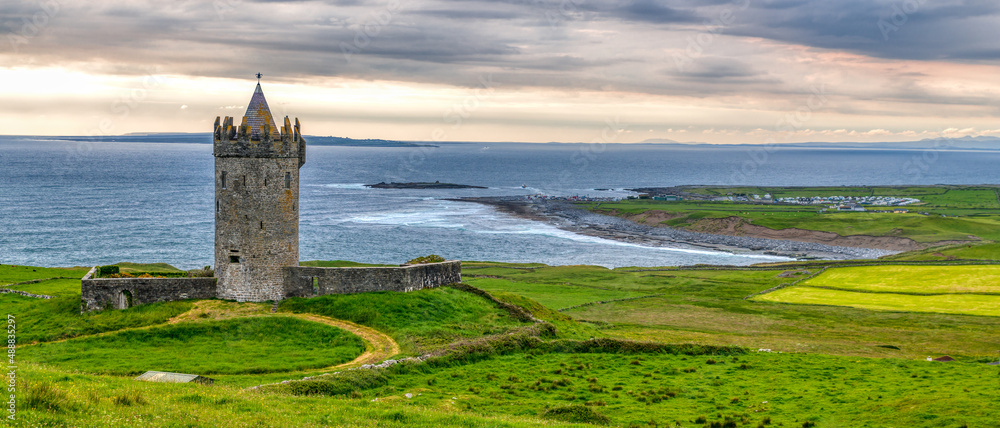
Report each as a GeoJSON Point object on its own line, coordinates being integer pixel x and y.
{"type": "Point", "coordinates": [455, 41]}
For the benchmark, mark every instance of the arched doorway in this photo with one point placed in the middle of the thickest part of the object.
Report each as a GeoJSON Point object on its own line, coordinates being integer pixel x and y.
{"type": "Point", "coordinates": [125, 299]}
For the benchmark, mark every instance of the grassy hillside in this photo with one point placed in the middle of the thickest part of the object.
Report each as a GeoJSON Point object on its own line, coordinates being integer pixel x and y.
{"type": "Point", "coordinates": [59, 318]}
{"type": "Point", "coordinates": [671, 390]}
{"type": "Point", "coordinates": [492, 371]}
{"type": "Point", "coordinates": [240, 346]}
{"type": "Point", "coordinates": [952, 212]}
{"type": "Point", "coordinates": [50, 397]}
{"type": "Point", "coordinates": [970, 290]}
{"type": "Point", "coordinates": [419, 321]}
{"type": "Point", "coordinates": [708, 306]}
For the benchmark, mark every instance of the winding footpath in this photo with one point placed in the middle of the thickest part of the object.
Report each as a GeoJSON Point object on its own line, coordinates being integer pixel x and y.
{"type": "Point", "coordinates": [378, 345]}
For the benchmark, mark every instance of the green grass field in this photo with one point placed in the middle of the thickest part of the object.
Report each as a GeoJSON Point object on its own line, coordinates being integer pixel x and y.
{"type": "Point", "coordinates": [964, 304]}
{"type": "Point", "coordinates": [53, 398]}
{"type": "Point", "coordinates": [966, 290]}
{"type": "Point", "coordinates": [955, 213]}
{"type": "Point", "coordinates": [60, 318]}
{"type": "Point", "coordinates": [419, 321]}
{"type": "Point", "coordinates": [671, 390]}
{"type": "Point", "coordinates": [239, 346]}
{"type": "Point", "coordinates": [826, 376]}
{"type": "Point", "coordinates": [10, 274]}
{"type": "Point", "coordinates": [706, 306]}
{"type": "Point", "coordinates": [912, 279]}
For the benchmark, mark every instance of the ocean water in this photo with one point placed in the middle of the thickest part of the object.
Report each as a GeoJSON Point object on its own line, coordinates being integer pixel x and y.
{"type": "Point", "coordinates": [65, 203]}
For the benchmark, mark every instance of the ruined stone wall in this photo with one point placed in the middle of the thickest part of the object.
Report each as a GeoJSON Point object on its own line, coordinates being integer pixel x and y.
{"type": "Point", "coordinates": [313, 281]}
{"type": "Point", "coordinates": [121, 293]}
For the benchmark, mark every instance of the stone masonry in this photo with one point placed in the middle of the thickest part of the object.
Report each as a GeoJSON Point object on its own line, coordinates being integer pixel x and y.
{"type": "Point", "coordinates": [256, 203]}
{"type": "Point", "coordinates": [312, 281]}
{"type": "Point", "coordinates": [122, 293]}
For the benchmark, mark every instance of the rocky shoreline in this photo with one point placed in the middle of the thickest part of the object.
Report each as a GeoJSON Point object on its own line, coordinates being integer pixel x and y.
{"type": "Point", "coordinates": [434, 185]}
{"type": "Point", "coordinates": [572, 218]}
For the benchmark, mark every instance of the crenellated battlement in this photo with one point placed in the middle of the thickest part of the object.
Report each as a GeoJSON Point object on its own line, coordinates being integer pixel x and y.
{"type": "Point", "coordinates": [241, 141]}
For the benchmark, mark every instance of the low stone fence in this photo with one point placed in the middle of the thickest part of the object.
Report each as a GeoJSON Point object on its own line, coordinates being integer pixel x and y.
{"type": "Point", "coordinates": [315, 281]}
{"type": "Point", "coordinates": [122, 293]}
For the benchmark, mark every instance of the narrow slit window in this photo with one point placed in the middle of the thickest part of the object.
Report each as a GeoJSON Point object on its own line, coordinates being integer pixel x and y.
{"type": "Point", "coordinates": [315, 285]}
{"type": "Point", "coordinates": [288, 180]}
{"type": "Point", "coordinates": [262, 225]}
{"type": "Point", "coordinates": [223, 179]}
{"type": "Point", "coordinates": [217, 206]}
{"type": "Point", "coordinates": [244, 181]}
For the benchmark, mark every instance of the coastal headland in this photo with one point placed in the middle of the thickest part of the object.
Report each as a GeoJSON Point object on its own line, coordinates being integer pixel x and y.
{"type": "Point", "coordinates": [801, 222]}
{"type": "Point", "coordinates": [577, 219]}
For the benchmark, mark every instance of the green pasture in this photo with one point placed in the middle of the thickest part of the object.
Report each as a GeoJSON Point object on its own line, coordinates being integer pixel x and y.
{"type": "Point", "coordinates": [708, 307]}
{"type": "Point", "coordinates": [50, 397]}
{"type": "Point", "coordinates": [963, 251]}
{"type": "Point", "coordinates": [419, 320]}
{"type": "Point", "coordinates": [965, 304]}
{"type": "Point", "coordinates": [43, 320]}
{"type": "Point", "coordinates": [983, 279]}
{"type": "Point", "coordinates": [951, 213]}
{"type": "Point", "coordinates": [238, 346]}
{"type": "Point", "coordinates": [754, 389]}
{"type": "Point", "coordinates": [11, 274]}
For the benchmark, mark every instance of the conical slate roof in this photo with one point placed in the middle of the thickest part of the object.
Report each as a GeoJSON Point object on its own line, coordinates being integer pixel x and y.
{"type": "Point", "coordinates": [258, 113]}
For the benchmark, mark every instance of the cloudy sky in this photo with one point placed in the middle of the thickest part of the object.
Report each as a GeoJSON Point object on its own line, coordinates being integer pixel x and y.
{"type": "Point", "coordinates": [717, 71]}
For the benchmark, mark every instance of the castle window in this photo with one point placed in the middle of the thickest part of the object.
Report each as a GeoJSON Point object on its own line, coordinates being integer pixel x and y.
{"type": "Point", "coordinates": [217, 207]}
{"type": "Point", "coordinates": [315, 285]}
{"type": "Point", "coordinates": [223, 179]}
{"type": "Point", "coordinates": [244, 181]}
{"type": "Point", "coordinates": [262, 225]}
{"type": "Point", "coordinates": [234, 259]}
{"type": "Point", "coordinates": [288, 180]}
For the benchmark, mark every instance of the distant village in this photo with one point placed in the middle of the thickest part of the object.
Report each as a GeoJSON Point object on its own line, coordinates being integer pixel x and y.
{"type": "Point", "coordinates": [574, 198]}
{"type": "Point", "coordinates": [877, 204]}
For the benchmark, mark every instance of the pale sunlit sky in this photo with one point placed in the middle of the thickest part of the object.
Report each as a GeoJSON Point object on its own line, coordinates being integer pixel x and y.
{"type": "Point", "coordinates": [715, 71]}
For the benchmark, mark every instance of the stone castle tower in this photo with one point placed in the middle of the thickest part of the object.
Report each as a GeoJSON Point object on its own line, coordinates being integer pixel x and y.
{"type": "Point", "coordinates": [256, 203]}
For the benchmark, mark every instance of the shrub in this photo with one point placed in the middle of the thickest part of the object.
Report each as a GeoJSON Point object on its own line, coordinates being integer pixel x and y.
{"type": "Point", "coordinates": [104, 271]}
{"type": "Point", "coordinates": [433, 258]}
{"type": "Point", "coordinates": [129, 398]}
{"type": "Point", "coordinates": [342, 383]}
{"type": "Point", "coordinates": [119, 275]}
{"type": "Point", "coordinates": [205, 272]}
{"type": "Point", "coordinates": [576, 413]}
{"type": "Point", "coordinates": [45, 396]}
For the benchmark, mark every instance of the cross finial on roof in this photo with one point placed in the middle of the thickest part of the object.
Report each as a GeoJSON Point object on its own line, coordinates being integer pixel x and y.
{"type": "Point", "coordinates": [259, 76]}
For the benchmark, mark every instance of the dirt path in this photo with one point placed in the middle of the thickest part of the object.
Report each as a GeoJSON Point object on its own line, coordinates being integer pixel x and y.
{"type": "Point", "coordinates": [378, 345]}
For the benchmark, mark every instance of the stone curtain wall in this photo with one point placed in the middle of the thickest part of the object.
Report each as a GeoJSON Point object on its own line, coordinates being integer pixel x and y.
{"type": "Point", "coordinates": [299, 281]}
{"type": "Point", "coordinates": [100, 293]}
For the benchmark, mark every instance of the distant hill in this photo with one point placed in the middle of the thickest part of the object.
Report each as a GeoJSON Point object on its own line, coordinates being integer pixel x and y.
{"type": "Point", "coordinates": [961, 143]}
{"type": "Point", "coordinates": [206, 138]}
